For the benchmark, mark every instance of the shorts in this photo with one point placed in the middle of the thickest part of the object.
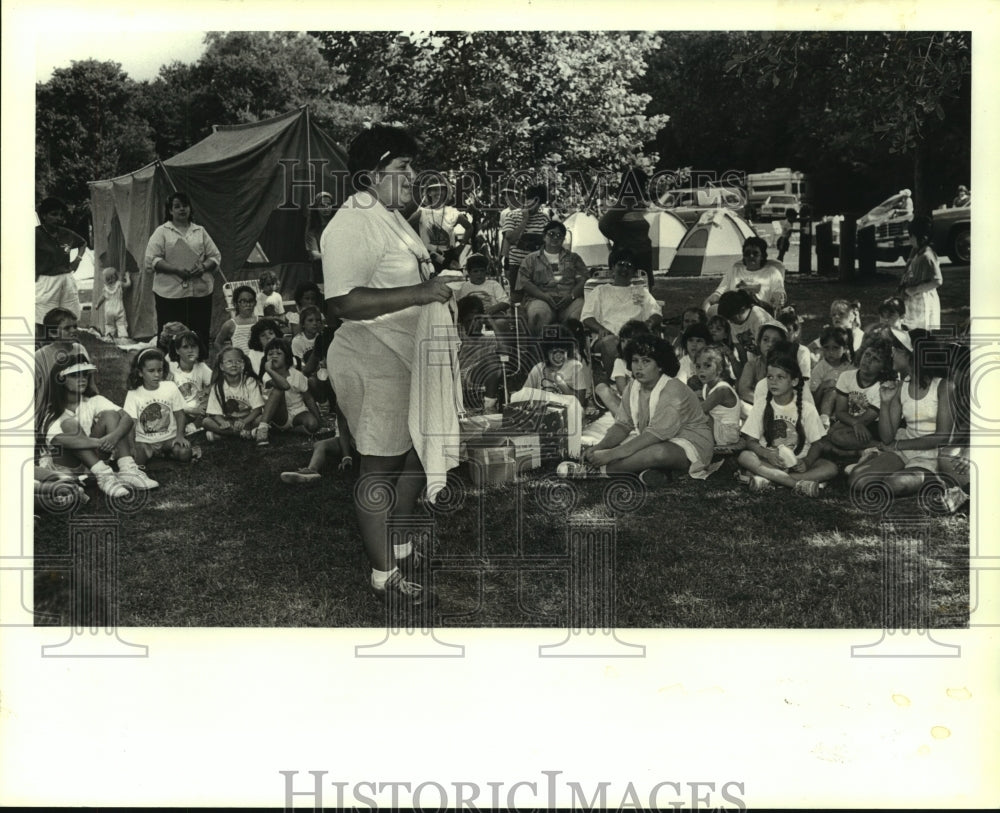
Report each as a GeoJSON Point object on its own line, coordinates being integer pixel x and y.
{"type": "Point", "coordinates": [288, 424]}
{"type": "Point", "coordinates": [918, 458]}
{"type": "Point", "coordinates": [697, 470]}
{"type": "Point", "coordinates": [159, 449]}
{"type": "Point", "coordinates": [59, 291]}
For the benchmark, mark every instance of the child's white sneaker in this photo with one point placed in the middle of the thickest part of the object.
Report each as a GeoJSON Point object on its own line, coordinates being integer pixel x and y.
{"type": "Point", "coordinates": [260, 435]}
{"type": "Point", "coordinates": [134, 477]}
{"type": "Point", "coordinates": [111, 485]}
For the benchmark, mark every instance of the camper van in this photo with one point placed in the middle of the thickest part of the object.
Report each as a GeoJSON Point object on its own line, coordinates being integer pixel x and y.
{"type": "Point", "coordinates": [780, 181]}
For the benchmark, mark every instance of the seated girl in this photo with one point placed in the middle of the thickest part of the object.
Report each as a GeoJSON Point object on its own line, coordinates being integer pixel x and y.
{"type": "Point", "coordinates": [779, 433]}
{"type": "Point", "coordinates": [718, 329]}
{"type": "Point", "coordinates": [261, 334]}
{"type": "Point", "coordinates": [284, 388]}
{"type": "Point", "coordinates": [192, 376]}
{"type": "Point", "coordinates": [83, 428]}
{"type": "Point", "coordinates": [235, 401]}
{"type": "Point", "coordinates": [58, 341]}
{"type": "Point", "coordinates": [157, 408]}
{"type": "Point", "coordinates": [693, 340]}
{"type": "Point", "coordinates": [890, 316]}
{"type": "Point", "coordinates": [236, 331]}
{"type": "Point", "coordinates": [718, 398]}
{"type": "Point", "coordinates": [914, 421]}
{"type": "Point", "coordinates": [559, 372]}
{"type": "Point", "coordinates": [690, 316]}
{"type": "Point", "coordinates": [610, 396]}
{"type": "Point", "coordinates": [838, 358]}
{"type": "Point", "coordinates": [845, 313]}
{"type": "Point", "coordinates": [856, 408]}
{"type": "Point", "coordinates": [659, 428]}
{"type": "Point", "coordinates": [306, 294]}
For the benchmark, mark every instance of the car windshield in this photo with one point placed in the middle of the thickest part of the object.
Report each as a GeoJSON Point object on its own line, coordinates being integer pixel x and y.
{"type": "Point", "coordinates": [782, 198]}
{"type": "Point", "coordinates": [890, 205]}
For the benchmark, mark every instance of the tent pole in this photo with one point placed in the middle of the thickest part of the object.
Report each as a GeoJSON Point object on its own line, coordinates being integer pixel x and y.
{"type": "Point", "coordinates": [170, 180]}
{"type": "Point", "coordinates": [309, 149]}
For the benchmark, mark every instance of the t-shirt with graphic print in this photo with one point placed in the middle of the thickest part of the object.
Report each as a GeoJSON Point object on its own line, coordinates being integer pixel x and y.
{"type": "Point", "coordinates": [783, 424]}
{"type": "Point", "coordinates": [193, 384]}
{"type": "Point", "coordinates": [858, 398]}
{"type": "Point", "coordinates": [153, 411]}
{"type": "Point", "coordinates": [239, 401]}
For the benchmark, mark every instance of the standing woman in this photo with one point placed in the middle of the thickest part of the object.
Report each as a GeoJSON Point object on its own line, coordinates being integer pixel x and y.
{"type": "Point", "coordinates": [376, 274]}
{"type": "Point", "coordinates": [921, 279]}
{"type": "Point", "coordinates": [182, 257]}
{"type": "Point", "coordinates": [55, 286]}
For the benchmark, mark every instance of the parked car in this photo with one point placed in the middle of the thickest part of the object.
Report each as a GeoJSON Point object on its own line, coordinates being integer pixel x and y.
{"type": "Point", "coordinates": [951, 233]}
{"type": "Point", "coordinates": [890, 219]}
{"type": "Point", "coordinates": [774, 207]}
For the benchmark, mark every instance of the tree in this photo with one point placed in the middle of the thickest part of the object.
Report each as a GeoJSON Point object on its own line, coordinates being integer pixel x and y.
{"type": "Point", "coordinates": [882, 93]}
{"type": "Point", "coordinates": [543, 101]}
{"type": "Point", "coordinates": [246, 76]}
{"type": "Point", "coordinates": [87, 126]}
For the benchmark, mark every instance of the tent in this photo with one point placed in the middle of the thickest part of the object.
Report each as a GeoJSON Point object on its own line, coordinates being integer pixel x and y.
{"type": "Point", "coordinates": [712, 245]}
{"type": "Point", "coordinates": [248, 183]}
{"type": "Point", "coordinates": [666, 230]}
{"type": "Point", "coordinates": [586, 239]}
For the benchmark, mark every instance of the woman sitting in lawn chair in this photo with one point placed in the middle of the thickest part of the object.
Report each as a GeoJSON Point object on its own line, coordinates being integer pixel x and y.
{"type": "Point", "coordinates": [673, 434]}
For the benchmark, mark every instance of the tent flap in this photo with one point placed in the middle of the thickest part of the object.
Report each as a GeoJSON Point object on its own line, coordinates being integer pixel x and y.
{"type": "Point", "coordinates": [237, 178]}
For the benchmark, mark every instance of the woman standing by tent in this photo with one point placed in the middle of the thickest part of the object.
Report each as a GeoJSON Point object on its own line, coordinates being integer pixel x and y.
{"type": "Point", "coordinates": [625, 224]}
{"type": "Point", "coordinates": [182, 256]}
{"type": "Point", "coordinates": [377, 279]}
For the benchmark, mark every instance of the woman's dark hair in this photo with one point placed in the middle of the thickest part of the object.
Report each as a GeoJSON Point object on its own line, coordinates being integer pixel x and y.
{"type": "Point", "coordinates": [49, 205]}
{"type": "Point", "coordinates": [621, 253]}
{"type": "Point", "coordinates": [790, 365]}
{"type": "Point", "coordinates": [259, 327]}
{"type": "Point", "coordinates": [539, 191]}
{"type": "Point", "coordinates": [187, 336]}
{"type": "Point", "coordinates": [929, 357]}
{"type": "Point", "coordinates": [628, 331]}
{"type": "Point", "coordinates": [699, 330]}
{"type": "Point", "coordinates": [655, 348]}
{"type": "Point", "coordinates": [759, 242]}
{"type": "Point", "coordinates": [304, 287]}
{"type": "Point", "coordinates": [183, 199]}
{"type": "Point", "coordinates": [921, 227]}
{"type": "Point", "coordinates": [732, 303]}
{"type": "Point", "coordinates": [374, 148]}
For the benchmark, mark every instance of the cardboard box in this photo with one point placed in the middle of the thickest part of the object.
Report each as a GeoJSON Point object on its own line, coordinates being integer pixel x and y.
{"type": "Point", "coordinates": [546, 420]}
{"type": "Point", "coordinates": [492, 464]}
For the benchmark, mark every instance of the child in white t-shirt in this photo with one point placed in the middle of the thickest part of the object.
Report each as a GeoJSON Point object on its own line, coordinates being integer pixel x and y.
{"type": "Point", "coordinates": [285, 388]}
{"type": "Point", "coordinates": [621, 375]}
{"type": "Point", "coordinates": [157, 408]}
{"type": "Point", "coordinates": [269, 303]}
{"type": "Point", "coordinates": [718, 398]}
{"type": "Point", "coordinates": [235, 401]}
{"type": "Point", "coordinates": [192, 376]}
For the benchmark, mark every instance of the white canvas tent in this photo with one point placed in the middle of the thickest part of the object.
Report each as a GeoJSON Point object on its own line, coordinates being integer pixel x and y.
{"type": "Point", "coordinates": [712, 245]}
{"type": "Point", "coordinates": [666, 230]}
{"type": "Point", "coordinates": [585, 239]}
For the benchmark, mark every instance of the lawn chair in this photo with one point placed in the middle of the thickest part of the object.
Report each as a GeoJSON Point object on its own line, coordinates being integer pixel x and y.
{"type": "Point", "coordinates": [229, 287]}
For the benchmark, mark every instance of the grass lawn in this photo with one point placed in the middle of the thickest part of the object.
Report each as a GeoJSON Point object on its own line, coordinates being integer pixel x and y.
{"type": "Point", "coordinates": [224, 543]}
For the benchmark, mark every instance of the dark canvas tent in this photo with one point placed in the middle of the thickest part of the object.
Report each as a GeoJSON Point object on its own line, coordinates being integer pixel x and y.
{"type": "Point", "coordinates": [248, 184]}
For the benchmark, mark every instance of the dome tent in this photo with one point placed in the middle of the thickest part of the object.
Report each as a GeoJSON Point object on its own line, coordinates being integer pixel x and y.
{"type": "Point", "coordinates": [666, 230]}
{"type": "Point", "coordinates": [585, 239]}
{"type": "Point", "coordinates": [248, 183]}
{"type": "Point", "coordinates": [712, 245]}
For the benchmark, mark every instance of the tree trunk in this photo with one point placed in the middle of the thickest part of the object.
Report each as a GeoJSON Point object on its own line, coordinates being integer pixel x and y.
{"type": "Point", "coordinates": [919, 193]}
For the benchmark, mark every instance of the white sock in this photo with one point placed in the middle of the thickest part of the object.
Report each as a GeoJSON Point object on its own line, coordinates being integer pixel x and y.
{"type": "Point", "coordinates": [380, 577]}
{"type": "Point", "coordinates": [402, 551]}
{"type": "Point", "coordinates": [100, 467]}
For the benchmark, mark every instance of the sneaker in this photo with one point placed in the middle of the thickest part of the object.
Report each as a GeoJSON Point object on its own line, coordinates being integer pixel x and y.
{"type": "Point", "coordinates": [110, 485]}
{"type": "Point", "coordinates": [412, 565]}
{"type": "Point", "coordinates": [954, 498]}
{"type": "Point", "coordinates": [402, 594]}
{"type": "Point", "coordinates": [210, 436]}
{"type": "Point", "coordinates": [570, 468]}
{"type": "Point", "coordinates": [759, 484]}
{"type": "Point", "coordinates": [138, 479]}
{"type": "Point", "coordinates": [807, 488]}
{"type": "Point", "coordinates": [260, 435]}
{"type": "Point", "coordinates": [654, 478]}
{"type": "Point", "coordinates": [246, 434]}
{"type": "Point", "coordinates": [301, 477]}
